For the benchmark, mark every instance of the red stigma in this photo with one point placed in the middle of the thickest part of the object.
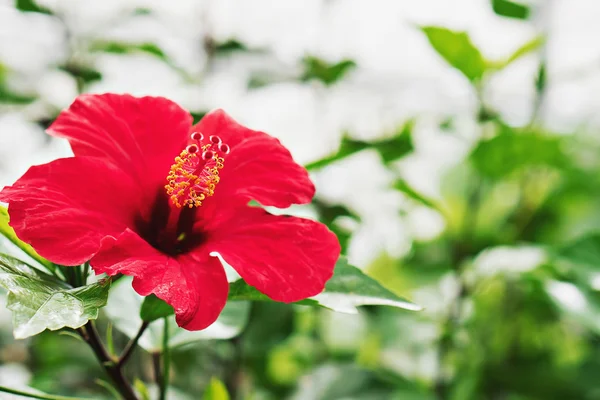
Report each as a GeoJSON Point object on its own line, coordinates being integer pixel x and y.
{"type": "Point", "coordinates": [192, 148]}
{"type": "Point", "coordinates": [197, 136]}
{"type": "Point", "coordinates": [215, 139]}
{"type": "Point", "coordinates": [207, 155]}
{"type": "Point", "coordinates": [224, 148]}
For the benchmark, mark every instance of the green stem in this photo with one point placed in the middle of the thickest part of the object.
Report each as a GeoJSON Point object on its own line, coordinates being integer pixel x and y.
{"type": "Point", "coordinates": [131, 345]}
{"type": "Point", "coordinates": [166, 359]}
{"type": "Point", "coordinates": [86, 272]}
{"type": "Point", "coordinates": [110, 365]}
{"type": "Point", "coordinates": [37, 396]}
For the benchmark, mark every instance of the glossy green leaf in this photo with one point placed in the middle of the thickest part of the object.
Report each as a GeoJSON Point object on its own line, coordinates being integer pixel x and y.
{"type": "Point", "coordinates": [9, 233]}
{"type": "Point", "coordinates": [154, 308]}
{"type": "Point", "coordinates": [347, 289]}
{"type": "Point", "coordinates": [318, 69]}
{"type": "Point", "coordinates": [216, 390]}
{"type": "Point", "coordinates": [510, 9]}
{"type": "Point", "coordinates": [458, 50]}
{"type": "Point", "coordinates": [39, 301]}
{"type": "Point", "coordinates": [510, 151]}
{"type": "Point", "coordinates": [390, 149]}
{"type": "Point", "coordinates": [124, 306]}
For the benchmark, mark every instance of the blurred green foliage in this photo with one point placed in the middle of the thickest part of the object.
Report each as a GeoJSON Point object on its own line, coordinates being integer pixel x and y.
{"type": "Point", "coordinates": [510, 284]}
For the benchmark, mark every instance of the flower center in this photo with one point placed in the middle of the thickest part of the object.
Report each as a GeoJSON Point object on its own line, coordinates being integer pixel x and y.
{"type": "Point", "coordinates": [195, 173]}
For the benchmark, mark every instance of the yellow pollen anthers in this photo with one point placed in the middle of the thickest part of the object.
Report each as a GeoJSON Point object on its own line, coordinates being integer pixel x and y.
{"type": "Point", "coordinates": [195, 174]}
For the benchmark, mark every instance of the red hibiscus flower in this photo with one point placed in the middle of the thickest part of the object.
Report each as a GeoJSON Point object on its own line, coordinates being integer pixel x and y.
{"type": "Point", "coordinates": [149, 195]}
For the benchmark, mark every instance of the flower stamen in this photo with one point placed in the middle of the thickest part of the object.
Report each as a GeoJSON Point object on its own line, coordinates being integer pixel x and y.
{"type": "Point", "coordinates": [195, 174]}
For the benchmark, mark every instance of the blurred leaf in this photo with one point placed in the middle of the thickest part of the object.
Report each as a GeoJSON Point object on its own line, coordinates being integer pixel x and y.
{"type": "Point", "coordinates": [511, 151]}
{"type": "Point", "coordinates": [329, 214]}
{"type": "Point", "coordinates": [585, 251]}
{"type": "Point", "coordinates": [522, 51]}
{"type": "Point", "coordinates": [197, 116]}
{"type": "Point", "coordinates": [216, 390]}
{"type": "Point", "coordinates": [154, 308]}
{"type": "Point", "coordinates": [347, 289]}
{"type": "Point", "coordinates": [228, 47]}
{"type": "Point", "coordinates": [316, 68]}
{"type": "Point", "coordinates": [7, 96]}
{"type": "Point", "coordinates": [458, 50]}
{"type": "Point", "coordinates": [581, 305]}
{"type": "Point", "coordinates": [82, 73]}
{"type": "Point", "coordinates": [390, 149]}
{"type": "Point", "coordinates": [9, 233]}
{"type": "Point", "coordinates": [30, 6]}
{"type": "Point", "coordinates": [402, 186]}
{"type": "Point", "coordinates": [511, 9]}
{"type": "Point", "coordinates": [39, 301]}
{"type": "Point", "coordinates": [540, 80]}
{"type": "Point", "coordinates": [125, 48]}
{"type": "Point", "coordinates": [124, 306]}
{"type": "Point", "coordinates": [141, 388]}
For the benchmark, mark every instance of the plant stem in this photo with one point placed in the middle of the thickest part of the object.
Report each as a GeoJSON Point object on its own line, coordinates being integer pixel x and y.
{"type": "Point", "coordinates": [111, 366]}
{"type": "Point", "coordinates": [462, 250]}
{"type": "Point", "coordinates": [156, 365]}
{"type": "Point", "coordinates": [132, 344]}
{"type": "Point", "coordinates": [36, 395]}
{"type": "Point", "coordinates": [86, 272]}
{"type": "Point", "coordinates": [166, 362]}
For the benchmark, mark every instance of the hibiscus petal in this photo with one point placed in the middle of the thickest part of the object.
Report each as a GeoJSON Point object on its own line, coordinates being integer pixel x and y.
{"type": "Point", "coordinates": [258, 167]}
{"type": "Point", "coordinates": [195, 284]}
{"type": "Point", "coordinates": [286, 258]}
{"type": "Point", "coordinates": [65, 208]}
{"type": "Point", "coordinates": [139, 135]}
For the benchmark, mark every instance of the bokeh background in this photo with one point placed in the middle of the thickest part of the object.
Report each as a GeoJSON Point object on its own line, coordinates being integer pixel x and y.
{"type": "Point", "coordinates": [455, 149]}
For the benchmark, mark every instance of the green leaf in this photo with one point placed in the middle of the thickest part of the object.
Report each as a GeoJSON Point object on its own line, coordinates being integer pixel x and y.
{"type": "Point", "coordinates": [31, 6]}
{"type": "Point", "coordinates": [154, 308]}
{"type": "Point", "coordinates": [580, 304]}
{"type": "Point", "coordinates": [124, 306]}
{"type": "Point", "coordinates": [512, 150]}
{"type": "Point", "coordinates": [318, 69]}
{"type": "Point", "coordinates": [125, 48]}
{"type": "Point", "coordinates": [39, 301]}
{"type": "Point", "coordinates": [510, 9]}
{"type": "Point", "coordinates": [9, 233]}
{"type": "Point", "coordinates": [522, 51]}
{"type": "Point", "coordinates": [402, 186]}
{"type": "Point", "coordinates": [216, 390]}
{"type": "Point", "coordinates": [7, 96]}
{"type": "Point", "coordinates": [347, 289]}
{"type": "Point", "coordinates": [390, 149]}
{"type": "Point", "coordinates": [583, 252]}
{"type": "Point", "coordinates": [229, 46]}
{"type": "Point", "coordinates": [329, 214]}
{"type": "Point", "coordinates": [82, 73]}
{"type": "Point", "coordinates": [142, 389]}
{"type": "Point", "coordinates": [458, 50]}
{"type": "Point", "coordinates": [540, 80]}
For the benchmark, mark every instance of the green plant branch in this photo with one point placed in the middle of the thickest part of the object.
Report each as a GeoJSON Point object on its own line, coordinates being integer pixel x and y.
{"type": "Point", "coordinates": [128, 351]}
{"type": "Point", "coordinates": [36, 395]}
{"type": "Point", "coordinates": [109, 363]}
{"type": "Point", "coordinates": [166, 359]}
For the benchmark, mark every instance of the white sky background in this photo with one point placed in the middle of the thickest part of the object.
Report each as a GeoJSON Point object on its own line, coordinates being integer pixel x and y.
{"type": "Point", "coordinates": [398, 77]}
